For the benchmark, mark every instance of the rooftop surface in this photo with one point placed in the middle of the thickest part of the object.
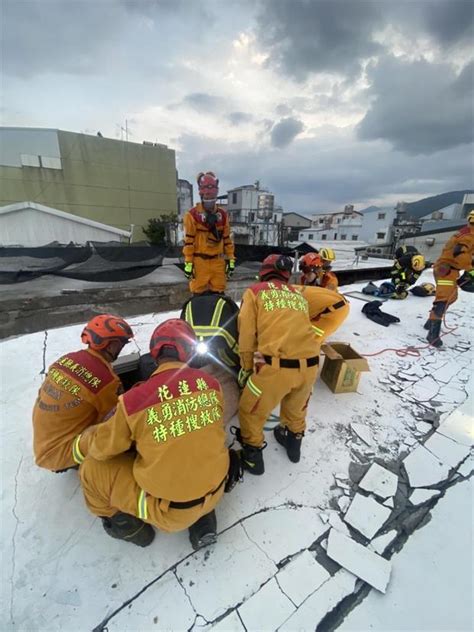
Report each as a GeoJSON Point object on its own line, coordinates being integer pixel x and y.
{"type": "Point", "coordinates": [269, 569]}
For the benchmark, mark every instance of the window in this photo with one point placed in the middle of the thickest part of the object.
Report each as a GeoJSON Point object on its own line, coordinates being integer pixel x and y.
{"type": "Point", "coordinates": [321, 221]}
{"type": "Point", "coordinates": [275, 217]}
{"type": "Point", "coordinates": [311, 236]}
{"type": "Point", "coordinates": [251, 216]}
{"type": "Point", "coordinates": [344, 237]}
{"type": "Point", "coordinates": [338, 220]}
{"type": "Point", "coordinates": [335, 236]}
{"type": "Point", "coordinates": [324, 237]}
{"type": "Point", "coordinates": [234, 198]}
{"type": "Point", "coordinates": [380, 235]}
{"type": "Point", "coordinates": [355, 237]}
{"type": "Point", "coordinates": [381, 216]}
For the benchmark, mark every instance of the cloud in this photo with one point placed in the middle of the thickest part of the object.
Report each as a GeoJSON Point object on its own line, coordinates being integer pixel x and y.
{"type": "Point", "coordinates": [305, 37]}
{"type": "Point", "coordinates": [419, 107]}
{"type": "Point", "coordinates": [449, 21]}
{"type": "Point", "coordinates": [202, 102]}
{"type": "Point", "coordinates": [238, 118]}
{"type": "Point", "coordinates": [285, 131]}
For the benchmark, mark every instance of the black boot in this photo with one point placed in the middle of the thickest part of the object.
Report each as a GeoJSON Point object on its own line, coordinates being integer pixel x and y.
{"type": "Point", "coordinates": [251, 457]}
{"type": "Point", "coordinates": [427, 325]}
{"type": "Point", "coordinates": [204, 531]}
{"type": "Point", "coordinates": [433, 334]}
{"type": "Point", "coordinates": [123, 526]}
{"type": "Point", "coordinates": [289, 440]}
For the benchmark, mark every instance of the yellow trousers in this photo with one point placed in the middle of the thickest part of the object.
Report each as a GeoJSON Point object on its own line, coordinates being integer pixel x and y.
{"type": "Point", "coordinates": [109, 487]}
{"type": "Point", "coordinates": [209, 274]}
{"type": "Point", "coordinates": [273, 385]}
{"type": "Point", "coordinates": [446, 289]}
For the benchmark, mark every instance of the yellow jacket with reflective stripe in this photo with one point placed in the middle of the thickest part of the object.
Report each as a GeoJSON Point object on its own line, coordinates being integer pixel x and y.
{"type": "Point", "coordinates": [327, 309]}
{"type": "Point", "coordinates": [459, 250]}
{"type": "Point", "coordinates": [174, 420]}
{"type": "Point", "coordinates": [198, 238]}
{"type": "Point", "coordinates": [274, 320]}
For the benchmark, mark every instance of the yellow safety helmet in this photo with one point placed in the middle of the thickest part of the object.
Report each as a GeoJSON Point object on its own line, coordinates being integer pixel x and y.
{"type": "Point", "coordinates": [470, 218]}
{"type": "Point", "coordinates": [430, 288]}
{"type": "Point", "coordinates": [327, 254]}
{"type": "Point", "coordinates": [418, 263]}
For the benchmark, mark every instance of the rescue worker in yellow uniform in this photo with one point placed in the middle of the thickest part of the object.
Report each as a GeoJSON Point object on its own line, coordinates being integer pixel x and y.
{"type": "Point", "coordinates": [314, 273]}
{"type": "Point", "coordinates": [406, 270]}
{"type": "Point", "coordinates": [274, 321]}
{"type": "Point", "coordinates": [457, 255]}
{"type": "Point", "coordinates": [80, 388]}
{"type": "Point", "coordinates": [208, 248]}
{"type": "Point", "coordinates": [175, 475]}
{"type": "Point", "coordinates": [327, 310]}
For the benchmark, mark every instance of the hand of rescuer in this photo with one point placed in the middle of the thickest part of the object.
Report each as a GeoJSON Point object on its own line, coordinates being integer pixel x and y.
{"type": "Point", "coordinates": [188, 269]}
{"type": "Point", "coordinates": [230, 268]}
{"type": "Point", "coordinates": [243, 376]}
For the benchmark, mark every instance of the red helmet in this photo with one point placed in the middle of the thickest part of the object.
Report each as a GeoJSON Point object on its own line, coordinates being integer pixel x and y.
{"type": "Point", "coordinates": [310, 262]}
{"type": "Point", "coordinates": [174, 333]}
{"type": "Point", "coordinates": [101, 329]}
{"type": "Point", "coordinates": [276, 265]}
{"type": "Point", "coordinates": [208, 185]}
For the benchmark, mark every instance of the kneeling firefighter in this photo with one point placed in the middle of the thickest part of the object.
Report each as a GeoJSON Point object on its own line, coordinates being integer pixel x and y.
{"type": "Point", "coordinates": [180, 466]}
{"type": "Point", "coordinates": [457, 255]}
{"type": "Point", "coordinates": [406, 269]}
{"type": "Point", "coordinates": [213, 318]}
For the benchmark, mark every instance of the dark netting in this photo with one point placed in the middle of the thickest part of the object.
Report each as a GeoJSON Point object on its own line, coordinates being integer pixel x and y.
{"type": "Point", "coordinates": [245, 253]}
{"type": "Point", "coordinates": [304, 248]}
{"type": "Point", "coordinates": [141, 253]}
{"type": "Point", "coordinates": [98, 269]}
{"type": "Point", "coordinates": [23, 264]}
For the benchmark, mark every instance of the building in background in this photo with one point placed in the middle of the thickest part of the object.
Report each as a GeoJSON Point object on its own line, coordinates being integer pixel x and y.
{"type": "Point", "coordinates": [343, 225]}
{"type": "Point", "coordinates": [292, 224]}
{"type": "Point", "coordinates": [377, 225]}
{"type": "Point", "coordinates": [113, 182]}
{"type": "Point", "coordinates": [254, 217]}
{"type": "Point", "coordinates": [467, 204]}
{"type": "Point", "coordinates": [31, 225]}
{"type": "Point", "coordinates": [185, 197]}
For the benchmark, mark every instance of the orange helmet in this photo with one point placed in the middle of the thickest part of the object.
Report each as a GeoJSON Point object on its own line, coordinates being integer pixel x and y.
{"type": "Point", "coordinates": [174, 333]}
{"type": "Point", "coordinates": [276, 265]}
{"type": "Point", "coordinates": [208, 185]}
{"type": "Point", "coordinates": [310, 262]}
{"type": "Point", "coordinates": [104, 328]}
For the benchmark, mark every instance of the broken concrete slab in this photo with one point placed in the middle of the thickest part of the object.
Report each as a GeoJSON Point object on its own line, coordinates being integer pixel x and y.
{"type": "Point", "coordinates": [230, 623]}
{"type": "Point", "coordinates": [343, 503]}
{"type": "Point", "coordinates": [466, 468]}
{"type": "Point", "coordinates": [423, 390]}
{"type": "Point", "coordinates": [381, 542]}
{"type": "Point", "coordinates": [366, 515]}
{"type": "Point", "coordinates": [363, 432]}
{"type": "Point", "coordinates": [315, 608]}
{"type": "Point", "coordinates": [336, 522]}
{"type": "Point", "coordinates": [267, 609]}
{"type": "Point", "coordinates": [389, 503]}
{"type": "Point", "coordinates": [424, 469]}
{"type": "Point", "coordinates": [359, 560]}
{"type": "Point", "coordinates": [459, 426]}
{"type": "Point", "coordinates": [448, 451]}
{"type": "Point", "coordinates": [301, 577]}
{"type": "Point", "coordinates": [422, 495]}
{"type": "Point", "coordinates": [380, 481]}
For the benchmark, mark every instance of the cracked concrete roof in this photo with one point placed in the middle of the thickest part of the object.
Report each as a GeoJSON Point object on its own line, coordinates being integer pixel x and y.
{"type": "Point", "coordinates": [270, 568]}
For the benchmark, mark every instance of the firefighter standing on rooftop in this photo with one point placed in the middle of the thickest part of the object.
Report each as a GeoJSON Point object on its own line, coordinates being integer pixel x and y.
{"type": "Point", "coordinates": [457, 255]}
{"type": "Point", "coordinates": [316, 269]}
{"type": "Point", "coordinates": [177, 474]}
{"type": "Point", "coordinates": [274, 321]}
{"type": "Point", "coordinates": [208, 249]}
{"type": "Point", "coordinates": [80, 389]}
{"type": "Point", "coordinates": [406, 270]}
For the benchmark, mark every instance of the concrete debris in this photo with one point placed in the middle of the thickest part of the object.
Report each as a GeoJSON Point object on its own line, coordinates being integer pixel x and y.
{"type": "Point", "coordinates": [459, 426]}
{"type": "Point", "coordinates": [363, 432]}
{"type": "Point", "coordinates": [380, 481]}
{"type": "Point", "coordinates": [381, 542]}
{"type": "Point", "coordinates": [336, 523]}
{"type": "Point", "coordinates": [420, 496]}
{"type": "Point", "coordinates": [315, 608]}
{"type": "Point", "coordinates": [448, 451]}
{"type": "Point", "coordinates": [301, 577]}
{"type": "Point", "coordinates": [409, 441]}
{"type": "Point", "coordinates": [389, 503]}
{"type": "Point", "coordinates": [343, 503]}
{"type": "Point", "coordinates": [431, 417]}
{"type": "Point", "coordinates": [266, 609]}
{"type": "Point", "coordinates": [366, 515]}
{"type": "Point", "coordinates": [466, 468]}
{"type": "Point", "coordinates": [359, 560]}
{"type": "Point", "coordinates": [324, 517]}
{"type": "Point", "coordinates": [407, 376]}
{"type": "Point", "coordinates": [422, 428]}
{"type": "Point", "coordinates": [231, 623]}
{"type": "Point", "coordinates": [324, 544]}
{"type": "Point", "coordinates": [342, 485]}
{"type": "Point", "coordinates": [424, 469]}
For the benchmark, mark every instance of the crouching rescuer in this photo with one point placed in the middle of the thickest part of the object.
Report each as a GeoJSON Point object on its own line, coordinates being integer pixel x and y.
{"type": "Point", "coordinates": [161, 458]}
{"type": "Point", "coordinates": [80, 388]}
{"type": "Point", "coordinates": [274, 321]}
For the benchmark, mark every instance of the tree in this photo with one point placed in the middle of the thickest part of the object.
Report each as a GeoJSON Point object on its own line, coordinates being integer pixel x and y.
{"type": "Point", "coordinates": [162, 230]}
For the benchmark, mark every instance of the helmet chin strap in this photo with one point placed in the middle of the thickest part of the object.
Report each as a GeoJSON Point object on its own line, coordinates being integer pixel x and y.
{"type": "Point", "coordinates": [209, 205]}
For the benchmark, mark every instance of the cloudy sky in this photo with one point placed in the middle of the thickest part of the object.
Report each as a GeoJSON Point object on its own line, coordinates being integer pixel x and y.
{"type": "Point", "coordinates": [326, 102]}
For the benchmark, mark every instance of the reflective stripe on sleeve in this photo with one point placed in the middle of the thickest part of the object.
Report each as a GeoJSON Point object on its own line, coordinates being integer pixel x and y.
{"type": "Point", "coordinates": [76, 451]}
{"type": "Point", "coordinates": [142, 506]}
{"type": "Point", "coordinates": [318, 331]}
{"type": "Point", "coordinates": [443, 282]}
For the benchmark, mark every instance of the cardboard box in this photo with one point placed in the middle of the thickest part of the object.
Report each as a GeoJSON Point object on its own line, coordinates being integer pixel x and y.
{"type": "Point", "coordinates": [342, 367]}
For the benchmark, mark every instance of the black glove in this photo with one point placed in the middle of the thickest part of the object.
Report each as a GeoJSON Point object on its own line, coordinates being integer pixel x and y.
{"type": "Point", "coordinates": [373, 312]}
{"type": "Point", "coordinates": [235, 472]}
